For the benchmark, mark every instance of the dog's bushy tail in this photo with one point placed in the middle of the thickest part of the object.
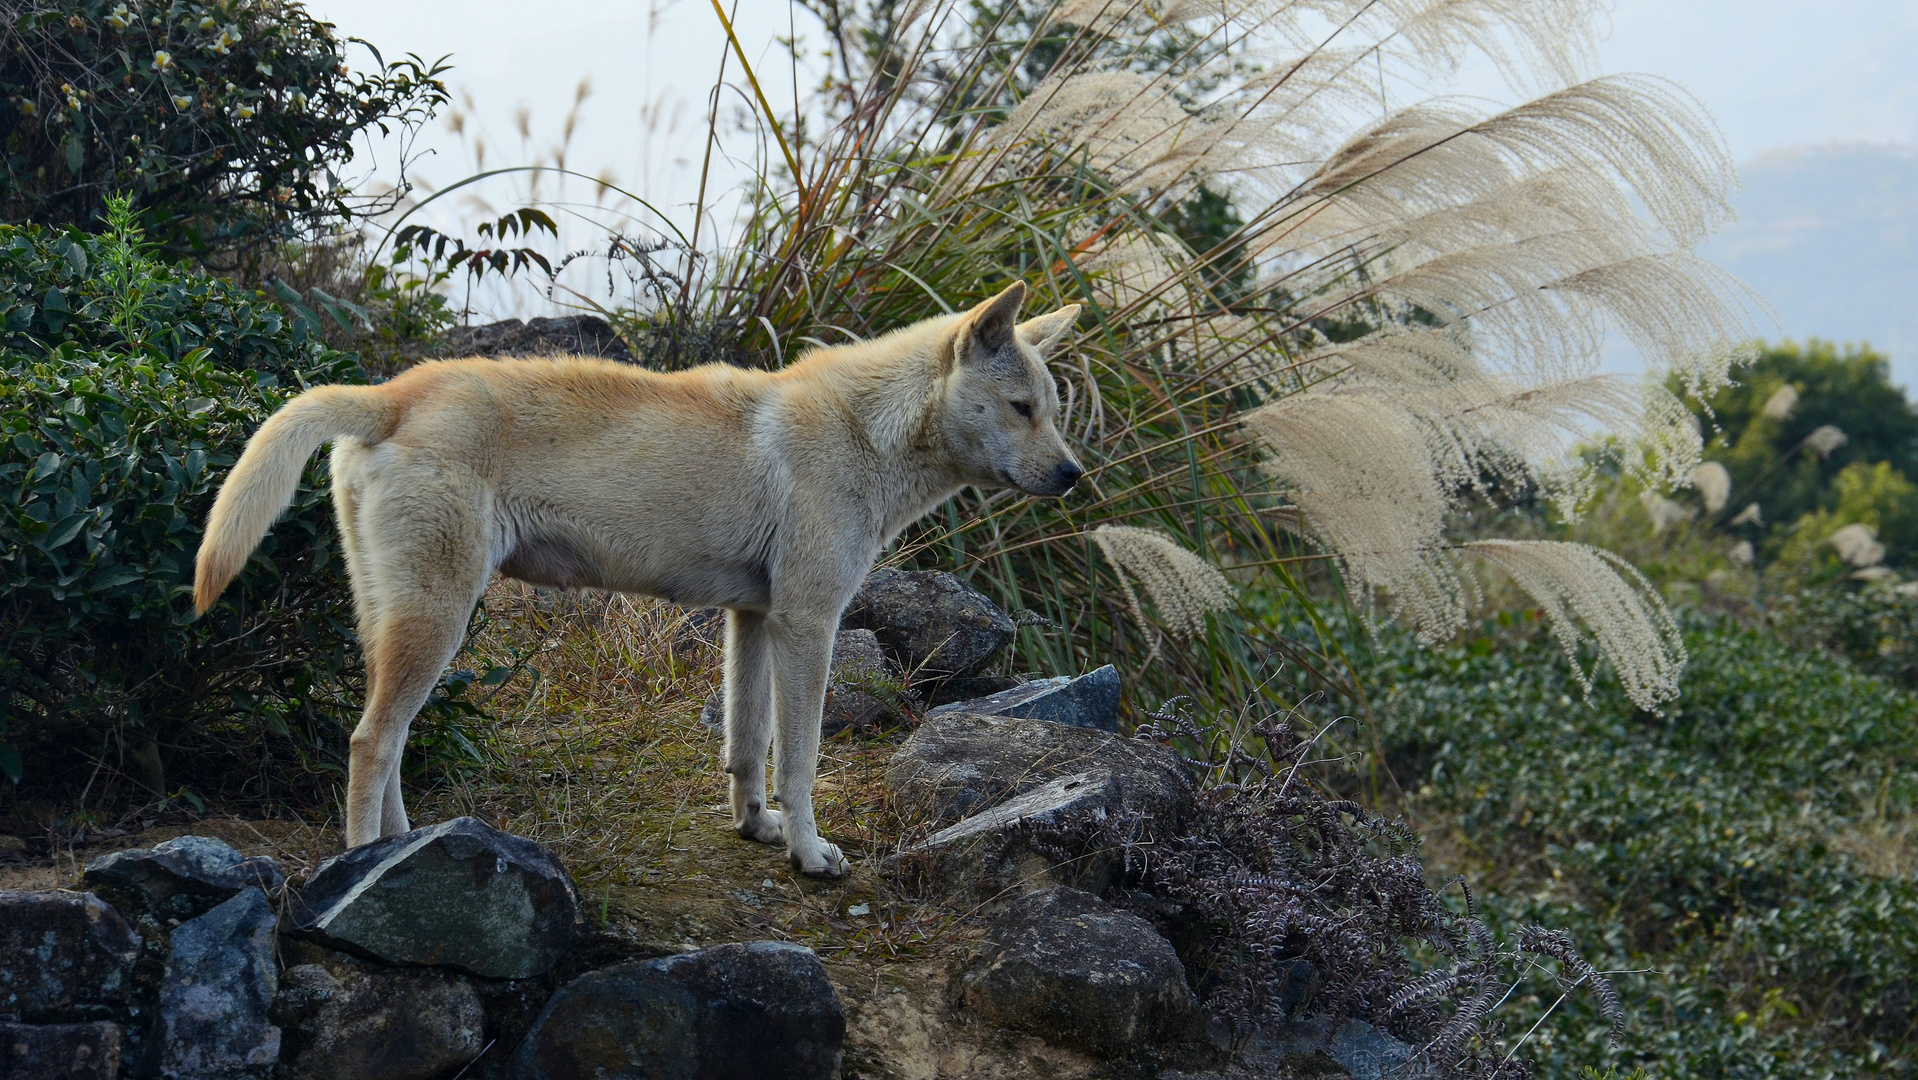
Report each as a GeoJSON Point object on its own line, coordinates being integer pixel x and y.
{"type": "Point", "coordinates": [262, 483]}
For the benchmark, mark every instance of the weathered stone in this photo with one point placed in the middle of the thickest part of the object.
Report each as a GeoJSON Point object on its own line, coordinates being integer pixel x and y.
{"type": "Point", "coordinates": [958, 764]}
{"type": "Point", "coordinates": [63, 955]}
{"type": "Point", "coordinates": [978, 686]}
{"type": "Point", "coordinates": [59, 1051]}
{"type": "Point", "coordinates": [180, 879]}
{"type": "Point", "coordinates": [864, 690]}
{"type": "Point", "coordinates": [1363, 1050]}
{"type": "Point", "coordinates": [1088, 701]}
{"type": "Point", "coordinates": [461, 894]}
{"type": "Point", "coordinates": [759, 1011]}
{"type": "Point", "coordinates": [220, 982]}
{"type": "Point", "coordinates": [934, 626]}
{"type": "Point", "coordinates": [349, 1019]}
{"type": "Point", "coordinates": [578, 335]}
{"type": "Point", "coordinates": [1070, 968]}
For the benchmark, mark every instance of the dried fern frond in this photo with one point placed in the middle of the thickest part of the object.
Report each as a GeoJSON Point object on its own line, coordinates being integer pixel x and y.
{"type": "Point", "coordinates": [1183, 587]}
{"type": "Point", "coordinates": [1574, 585]}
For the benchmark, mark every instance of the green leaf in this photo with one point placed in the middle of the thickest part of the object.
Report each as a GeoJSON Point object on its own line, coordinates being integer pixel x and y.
{"type": "Point", "coordinates": [195, 406]}
{"type": "Point", "coordinates": [64, 531]}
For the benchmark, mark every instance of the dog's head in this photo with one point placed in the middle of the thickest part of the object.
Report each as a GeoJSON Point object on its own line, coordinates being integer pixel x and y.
{"type": "Point", "coordinates": [1001, 406]}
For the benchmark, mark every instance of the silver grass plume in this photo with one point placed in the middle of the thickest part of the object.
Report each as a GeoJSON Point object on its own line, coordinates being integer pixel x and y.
{"type": "Point", "coordinates": [1780, 404]}
{"type": "Point", "coordinates": [1826, 439]}
{"type": "Point", "coordinates": [1184, 587]}
{"type": "Point", "coordinates": [1858, 545]}
{"type": "Point", "coordinates": [1714, 484]}
{"type": "Point", "coordinates": [1418, 294]}
{"type": "Point", "coordinates": [1578, 585]}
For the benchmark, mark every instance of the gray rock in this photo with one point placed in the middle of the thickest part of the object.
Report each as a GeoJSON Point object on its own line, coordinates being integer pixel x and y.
{"type": "Point", "coordinates": [934, 626]}
{"type": "Point", "coordinates": [978, 686]}
{"type": "Point", "coordinates": [59, 1051]}
{"type": "Point", "coordinates": [759, 1011]}
{"type": "Point", "coordinates": [865, 691]}
{"type": "Point", "coordinates": [1363, 1050]}
{"type": "Point", "coordinates": [63, 955]}
{"type": "Point", "coordinates": [982, 784]}
{"type": "Point", "coordinates": [1071, 969]}
{"type": "Point", "coordinates": [180, 879]}
{"type": "Point", "coordinates": [578, 335]}
{"type": "Point", "coordinates": [958, 764]}
{"type": "Point", "coordinates": [1089, 701]}
{"type": "Point", "coordinates": [350, 1019]}
{"type": "Point", "coordinates": [461, 894]}
{"type": "Point", "coordinates": [219, 987]}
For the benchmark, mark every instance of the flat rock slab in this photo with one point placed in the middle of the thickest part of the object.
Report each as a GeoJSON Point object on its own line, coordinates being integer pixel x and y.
{"type": "Point", "coordinates": [960, 764]}
{"type": "Point", "coordinates": [1090, 701]}
{"type": "Point", "coordinates": [219, 987]}
{"type": "Point", "coordinates": [934, 626]}
{"type": "Point", "coordinates": [1071, 969]}
{"type": "Point", "coordinates": [180, 879]}
{"type": "Point", "coordinates": [350, 1019]}
{"type": "Point", "coordinates": [59, 1051]}
{"type": "Point", "coordinates": [61, 952]}
{"type": "Point", "coordinates": [461, 894]}
{"type": "Point", "coordinates": [759, 1011]}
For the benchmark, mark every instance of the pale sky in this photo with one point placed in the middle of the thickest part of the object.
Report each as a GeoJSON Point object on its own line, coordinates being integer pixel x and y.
{"type": "Point", "coordinates": [1773, 73]}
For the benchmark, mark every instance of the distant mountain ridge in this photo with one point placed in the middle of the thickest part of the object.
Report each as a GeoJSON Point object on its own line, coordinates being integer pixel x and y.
{"type": "Point", "coordinates": [1829, 236]}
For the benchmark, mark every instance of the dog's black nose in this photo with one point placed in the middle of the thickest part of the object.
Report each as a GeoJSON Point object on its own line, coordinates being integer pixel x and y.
{"type": "Point", "coordinates": [1066, 474]}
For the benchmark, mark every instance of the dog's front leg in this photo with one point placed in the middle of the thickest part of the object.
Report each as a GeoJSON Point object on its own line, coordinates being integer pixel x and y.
{"type": "Point", "coordinates": [749, 724]}
{"type": "Point", "coordinates": [802, 657]}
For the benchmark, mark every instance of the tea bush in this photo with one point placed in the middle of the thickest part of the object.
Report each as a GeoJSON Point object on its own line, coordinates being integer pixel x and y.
{"type": "Point", "coordinates": [130, 388]}
{"type": "Point", "coordinates": [1749, 853]}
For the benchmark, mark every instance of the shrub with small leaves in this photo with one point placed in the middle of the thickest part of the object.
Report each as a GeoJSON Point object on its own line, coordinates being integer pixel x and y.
{"type": "Point", "coordinates": [131, 387]}
{"type": "Point", "coordinates": [226, 122]}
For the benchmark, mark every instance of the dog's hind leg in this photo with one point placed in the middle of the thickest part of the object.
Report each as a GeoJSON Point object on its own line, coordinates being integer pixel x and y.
{"type": "Point", "coordinates": [425, 549]}
{"type": "Point", "coordinates": [749, 724]}
{"type": "Point", "coordinates": [802, 657]}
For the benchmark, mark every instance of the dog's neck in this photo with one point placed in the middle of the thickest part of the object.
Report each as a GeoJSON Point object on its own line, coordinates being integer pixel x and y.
{"type": "Point", "coordinates": [895, 407]}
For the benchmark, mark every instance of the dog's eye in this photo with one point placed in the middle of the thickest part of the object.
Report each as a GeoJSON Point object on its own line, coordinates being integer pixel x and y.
{"type": "Point", "coordinates": [1023, 408]}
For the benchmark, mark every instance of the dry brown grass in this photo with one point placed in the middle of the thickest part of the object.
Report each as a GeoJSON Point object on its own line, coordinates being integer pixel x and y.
{"type": "Point", "coordinates": [600, 754]}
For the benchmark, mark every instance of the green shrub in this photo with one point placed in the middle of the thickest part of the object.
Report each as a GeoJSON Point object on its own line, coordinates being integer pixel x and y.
{"type": "Point", "coordinates": [130, 388]}
{"type": "Point", "coordinates": [226, 122]}
{"type": "Point", "coordinates": [1744, 852]}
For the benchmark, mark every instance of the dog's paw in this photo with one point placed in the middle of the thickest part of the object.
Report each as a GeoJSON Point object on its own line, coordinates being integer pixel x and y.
{"type": "Point", "coordinates": [824, 861]}
{"type": "Point", "coordinates": [762, 827]}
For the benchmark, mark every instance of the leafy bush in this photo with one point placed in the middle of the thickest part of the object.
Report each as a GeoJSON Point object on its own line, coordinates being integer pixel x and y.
{"type": "Point", "coordinates": [226, 122]}
{"type": "Point", "coordinates": [131, 387]}
{"type": "Point", "coordinates": [1743, 851]}
{"type": "Point", "coordinates": [1875, 627]}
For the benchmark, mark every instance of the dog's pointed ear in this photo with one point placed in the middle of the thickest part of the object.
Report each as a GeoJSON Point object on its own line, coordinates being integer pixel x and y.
{"type": "Point", "coordinates": [1046, 332]}
{"type": "Point", "coordinates": [993, 321]}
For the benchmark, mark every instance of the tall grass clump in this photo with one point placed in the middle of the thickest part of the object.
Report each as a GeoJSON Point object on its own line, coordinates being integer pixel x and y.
{"type": "Point", "coordinates": [1323, 308]}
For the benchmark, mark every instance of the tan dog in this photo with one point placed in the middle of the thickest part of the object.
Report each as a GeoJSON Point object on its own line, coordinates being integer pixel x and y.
{"type": "Point", "coordinates": [766, 493]}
